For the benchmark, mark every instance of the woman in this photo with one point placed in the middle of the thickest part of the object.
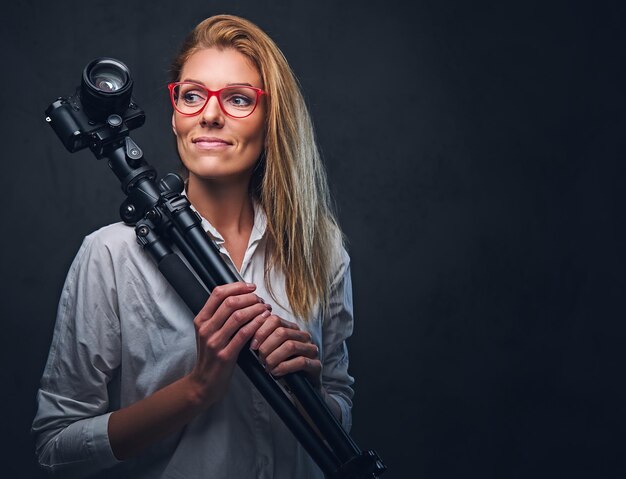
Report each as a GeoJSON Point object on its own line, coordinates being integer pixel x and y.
{"type": "Point", "coordinates": [134, 385]}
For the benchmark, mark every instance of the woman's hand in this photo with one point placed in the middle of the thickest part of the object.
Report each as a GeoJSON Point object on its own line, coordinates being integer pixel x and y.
{"type": "Point", "coordinates": [230, 317]}
{"type": "Point", "coordinates": [284, 348]}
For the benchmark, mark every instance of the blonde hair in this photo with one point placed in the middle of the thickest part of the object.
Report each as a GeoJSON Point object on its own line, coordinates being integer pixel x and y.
{"type": "Point", "coordinates": [290, 182]}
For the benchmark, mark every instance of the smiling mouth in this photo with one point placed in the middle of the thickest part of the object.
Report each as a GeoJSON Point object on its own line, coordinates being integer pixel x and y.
{"type": "Point", "coordinates": [210, 142]}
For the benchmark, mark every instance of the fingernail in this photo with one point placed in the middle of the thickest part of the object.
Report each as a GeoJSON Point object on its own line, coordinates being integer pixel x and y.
{"type": "Point", "coordinates": [260, 299]}
{"type": "Point", "coordinates": [254, 344]}
{"type": "Point", "coordinates": [250, 285]}
{"type": "Point", "coordinates": [265, 313]}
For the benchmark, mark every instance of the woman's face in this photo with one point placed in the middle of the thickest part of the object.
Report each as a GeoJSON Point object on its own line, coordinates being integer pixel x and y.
{"type": "Point", "coordinates": [211, 144]}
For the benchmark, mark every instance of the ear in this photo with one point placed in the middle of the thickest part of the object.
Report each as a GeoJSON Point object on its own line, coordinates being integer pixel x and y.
{"type": "Point", "coordinates": [174, 125]}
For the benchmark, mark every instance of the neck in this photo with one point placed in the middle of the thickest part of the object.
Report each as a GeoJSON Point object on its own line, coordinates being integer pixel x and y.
{"type": "Point", "coordinates": [227, 206]}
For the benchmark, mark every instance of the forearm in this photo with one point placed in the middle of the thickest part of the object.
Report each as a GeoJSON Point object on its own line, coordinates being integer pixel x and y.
{"type": "Point", "coordinates": [66, 453]}
{"type": "Point", "coordinates": [134, 428]}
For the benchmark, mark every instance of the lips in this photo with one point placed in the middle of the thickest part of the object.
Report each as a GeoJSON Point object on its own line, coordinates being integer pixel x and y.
{"type": "Point", "coordinates": [210, 141]}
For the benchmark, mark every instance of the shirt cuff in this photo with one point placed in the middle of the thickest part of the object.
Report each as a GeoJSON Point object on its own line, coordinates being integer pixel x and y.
{"type": "Point", "coordinates": [99, 445]}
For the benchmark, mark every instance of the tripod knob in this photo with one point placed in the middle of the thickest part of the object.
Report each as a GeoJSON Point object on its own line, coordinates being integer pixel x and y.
{"type": "Point", "coordinates": [133, 152]}
{"type": "Point", "coordinates": [171, 183]}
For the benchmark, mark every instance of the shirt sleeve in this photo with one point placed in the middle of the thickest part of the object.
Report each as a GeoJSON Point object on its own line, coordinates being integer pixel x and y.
{"type": "Point", "coordinates": [337, 328]}
{"type": "Point", "coordinates": [70, 426]}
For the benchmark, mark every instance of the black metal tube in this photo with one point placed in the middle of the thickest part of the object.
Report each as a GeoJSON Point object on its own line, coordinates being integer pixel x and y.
{"type": "Point", "coordinates": [276, 398]}
{"type": "Point", "coordinates": [335, 453]}
{"type": "Point", "coordinates": [189, 226]}
{"type": "Point", "coordinates": [188, 287]}
{"type": "Point", "coordinates": [183, 281]}
{"type": "Point", "coordinates": [340, 442]}
{"type": "Point", "coordinates": [192, 257]}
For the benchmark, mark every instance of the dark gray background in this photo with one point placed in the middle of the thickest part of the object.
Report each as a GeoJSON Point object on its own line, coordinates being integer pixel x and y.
{"type": "Point", "coordinates": [476, 154]}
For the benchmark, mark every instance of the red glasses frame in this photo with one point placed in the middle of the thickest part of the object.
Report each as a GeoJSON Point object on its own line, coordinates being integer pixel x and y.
{"type": "Point", "coordinates": [213, 93]}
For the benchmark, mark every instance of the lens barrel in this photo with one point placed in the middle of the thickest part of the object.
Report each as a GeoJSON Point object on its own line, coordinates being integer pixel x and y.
{"type": "Point", "coordinates": [106, 88]}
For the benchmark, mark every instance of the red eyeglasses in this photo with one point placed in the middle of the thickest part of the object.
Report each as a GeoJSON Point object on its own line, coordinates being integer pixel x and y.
{"type": "Point", "coordinates": [238, 101]}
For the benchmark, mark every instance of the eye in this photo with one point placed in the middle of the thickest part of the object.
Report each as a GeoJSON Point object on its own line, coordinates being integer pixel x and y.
{"type": "Point", "coordinates": [190, 94]}
{"type": "Point", "coordinates": [193, 97]}
{"type": "Point", "coordinates": [239, 100]}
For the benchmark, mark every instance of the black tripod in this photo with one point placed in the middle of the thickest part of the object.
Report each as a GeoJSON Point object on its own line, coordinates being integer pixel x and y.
{"type": "Point", "coordinates": [100, 116]}
{"type": "Point", "coordinates": [162, 216]}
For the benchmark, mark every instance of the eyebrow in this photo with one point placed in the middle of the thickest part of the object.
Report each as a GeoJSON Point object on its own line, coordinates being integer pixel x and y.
{"type": "Point", "coordinates": [228, 84]}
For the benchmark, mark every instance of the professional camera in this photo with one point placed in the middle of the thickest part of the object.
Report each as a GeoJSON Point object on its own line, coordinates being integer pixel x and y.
{"type": "Point", "coordinates": [101, 112]}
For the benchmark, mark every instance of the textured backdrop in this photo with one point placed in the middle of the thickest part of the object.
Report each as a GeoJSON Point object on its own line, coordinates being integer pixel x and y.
{"type": "Point", "coordinates": [477, 157]}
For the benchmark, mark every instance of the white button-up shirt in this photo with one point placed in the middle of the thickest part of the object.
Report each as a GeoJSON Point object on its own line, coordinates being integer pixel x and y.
{"type": "Point", "coordinates": [123, 333]}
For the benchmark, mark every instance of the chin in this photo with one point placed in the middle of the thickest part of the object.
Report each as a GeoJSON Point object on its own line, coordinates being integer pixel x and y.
{"type": "Point", "coordinates": [218, 167]}
{"type": "Point", "coordinates": [207, 167]}
{"type": "Point", "coordinates": [220, 174]}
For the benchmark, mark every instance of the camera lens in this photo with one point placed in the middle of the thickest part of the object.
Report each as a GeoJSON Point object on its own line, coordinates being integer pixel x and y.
{"type": "Point", "coordinates": [106, 88]}
{"type": "Point", "coordinates": [108, 77]}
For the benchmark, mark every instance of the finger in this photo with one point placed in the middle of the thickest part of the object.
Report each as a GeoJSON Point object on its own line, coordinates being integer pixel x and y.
{"type": "Point", "coordinates": [271, 324]}
{"type": "Point", "coordinates": [220, 293]}
{"type": "Point", "coordinates": [244, 334]}
{"type": "Point", "coordinates": [230, 306]}
{"type": "Point", "coordinates": [291, 349]}
{"type": "Point", "coordinates": [312, 367]}
{"type": "Point", "coordinates": [238, 319]}
{"type": "Point", "coordinates": [279, 336]}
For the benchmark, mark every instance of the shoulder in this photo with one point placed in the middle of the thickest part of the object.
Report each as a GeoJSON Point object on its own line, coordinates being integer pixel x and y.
{"type": "Point", "coordinates": [339, 257]}
{"type": "Point", "coordinates": [109, 244]}
{"type": "Point", "coordinates": [116, 236]}
{"type": "Point", "coordinates": [100, 264]}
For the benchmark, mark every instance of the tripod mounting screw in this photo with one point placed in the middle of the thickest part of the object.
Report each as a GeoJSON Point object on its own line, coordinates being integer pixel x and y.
{"type": "Point", "coordinates": [143, 231]}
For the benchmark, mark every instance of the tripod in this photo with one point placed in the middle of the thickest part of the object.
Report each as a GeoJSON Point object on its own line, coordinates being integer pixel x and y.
{"type": "Point", "coordinates": [163, 217]}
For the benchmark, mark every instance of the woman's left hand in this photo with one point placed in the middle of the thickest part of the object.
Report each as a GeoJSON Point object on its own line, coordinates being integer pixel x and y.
{"type": "Point", "coordinates": [285, 348]}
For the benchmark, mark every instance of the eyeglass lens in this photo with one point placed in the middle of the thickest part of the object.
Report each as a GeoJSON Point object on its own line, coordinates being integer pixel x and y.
{"type": "Point", "coordinates": [237, 101]}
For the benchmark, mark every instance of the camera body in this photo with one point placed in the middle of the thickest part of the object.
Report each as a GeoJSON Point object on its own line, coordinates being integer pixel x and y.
{"type": "Point", "coordinates": [100, 112]}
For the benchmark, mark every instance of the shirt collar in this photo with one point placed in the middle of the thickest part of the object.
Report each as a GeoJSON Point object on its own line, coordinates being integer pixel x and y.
{"type": "Point", "coordinates": [258, 228]}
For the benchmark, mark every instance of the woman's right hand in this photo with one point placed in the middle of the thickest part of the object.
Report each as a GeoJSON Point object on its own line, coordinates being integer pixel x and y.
{"type": "Point", "coordinates": [226, 323]}
{"type": "Point", "coordinates": [228, 320]}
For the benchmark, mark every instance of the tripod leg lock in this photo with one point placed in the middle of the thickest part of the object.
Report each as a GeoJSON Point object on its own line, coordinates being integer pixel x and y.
{"type": "Point", "coordinates": [365, 465]}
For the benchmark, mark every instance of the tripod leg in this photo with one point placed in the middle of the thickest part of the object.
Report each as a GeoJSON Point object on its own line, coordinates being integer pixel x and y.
{"type": "Point", "coordinates": [194, 295]}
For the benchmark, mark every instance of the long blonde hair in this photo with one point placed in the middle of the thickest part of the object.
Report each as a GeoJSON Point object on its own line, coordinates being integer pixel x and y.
{"type": "Point", "coordinates": [290, 181]}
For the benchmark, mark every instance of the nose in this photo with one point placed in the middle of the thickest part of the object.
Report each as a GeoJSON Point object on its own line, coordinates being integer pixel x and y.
{"type": "Point", "coordinates": [212, 114]}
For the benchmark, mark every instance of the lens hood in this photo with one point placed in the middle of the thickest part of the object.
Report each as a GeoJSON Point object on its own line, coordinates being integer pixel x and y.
{"type": "Point", "coordinates": [106, 88]}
